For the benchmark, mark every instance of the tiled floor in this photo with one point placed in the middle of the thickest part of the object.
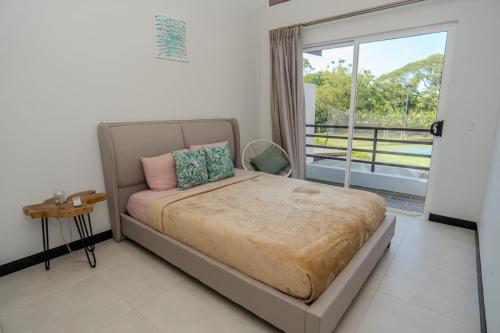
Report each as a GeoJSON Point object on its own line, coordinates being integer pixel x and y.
{"type": "Point", "coordinates": [398, 200]}
{"type": "Point", "coordinates": [403, 201]}
{"type": "Point", "coordinates": [425, 282]}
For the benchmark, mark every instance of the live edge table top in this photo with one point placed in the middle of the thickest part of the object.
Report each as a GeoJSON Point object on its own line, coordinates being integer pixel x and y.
{"type": "Point", "coordinates": [50, 209]}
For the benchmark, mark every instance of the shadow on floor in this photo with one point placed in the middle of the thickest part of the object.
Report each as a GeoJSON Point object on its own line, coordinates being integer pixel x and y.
{"type": "Point", "coordinates": [396, 200]}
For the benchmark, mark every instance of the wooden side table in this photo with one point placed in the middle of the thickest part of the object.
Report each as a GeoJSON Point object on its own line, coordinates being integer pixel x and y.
{"type": "Point", "coordinates": [67, 210]}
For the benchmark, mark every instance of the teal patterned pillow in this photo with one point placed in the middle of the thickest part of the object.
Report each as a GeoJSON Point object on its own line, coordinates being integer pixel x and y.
{"type": "Point", "coordinates": [219, 163]}
{"type": "Point", "coordinates": [190, 168]}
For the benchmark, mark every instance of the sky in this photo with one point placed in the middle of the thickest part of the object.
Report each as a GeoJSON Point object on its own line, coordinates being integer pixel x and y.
{"type": "Point", "coordinates": [384, 56]}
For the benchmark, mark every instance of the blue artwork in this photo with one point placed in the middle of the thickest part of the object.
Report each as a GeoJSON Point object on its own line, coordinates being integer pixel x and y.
{"type": "Point", "coordinates": [170, 38]}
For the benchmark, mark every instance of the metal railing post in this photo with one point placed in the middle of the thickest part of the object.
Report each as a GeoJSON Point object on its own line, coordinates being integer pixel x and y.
{"type": "Point", "coordinates": [374, 153]}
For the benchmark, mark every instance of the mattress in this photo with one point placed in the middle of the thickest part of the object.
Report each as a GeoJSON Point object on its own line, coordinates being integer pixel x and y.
{"type": "Point", "coordinates": [137, 205]}
{"type": "Point", "coordinates": [293, 235]}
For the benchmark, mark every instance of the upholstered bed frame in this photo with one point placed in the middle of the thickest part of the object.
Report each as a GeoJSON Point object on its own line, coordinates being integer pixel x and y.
{"type": "Point", "coordinates": [122, 145]}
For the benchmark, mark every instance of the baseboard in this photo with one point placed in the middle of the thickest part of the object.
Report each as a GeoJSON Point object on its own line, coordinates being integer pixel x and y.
{"type": "Point", "coordinates": [472, 226]}
{"type": "Point", "coordinates": [480, 292]}
{"type": "Point", "coordinates": [39, 258]}
{"type": "Point", "coordinates": [453, 221]}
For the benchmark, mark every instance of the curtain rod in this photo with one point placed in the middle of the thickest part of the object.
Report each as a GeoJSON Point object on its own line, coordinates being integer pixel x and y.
{"type": "Point", "coordinates": [359, 12]}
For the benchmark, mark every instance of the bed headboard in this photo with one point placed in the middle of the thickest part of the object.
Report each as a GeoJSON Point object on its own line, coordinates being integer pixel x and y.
{"type": "Point", "coordinates": [123, 144]}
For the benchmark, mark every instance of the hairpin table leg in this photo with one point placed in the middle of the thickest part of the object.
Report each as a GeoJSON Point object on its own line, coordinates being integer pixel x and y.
{"type": "Point", "coordinates": [86, 237]}
{"type": "Point", "coordinates": [45, 236]}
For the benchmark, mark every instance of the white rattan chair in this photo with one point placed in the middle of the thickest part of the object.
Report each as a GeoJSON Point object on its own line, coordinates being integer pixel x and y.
{"type": "Point", "coordinates": [256, 147]}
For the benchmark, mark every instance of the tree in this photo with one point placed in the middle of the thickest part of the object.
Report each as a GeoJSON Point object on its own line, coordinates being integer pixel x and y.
{"type": "Point", "coordinates": [308, 68]}
{"type": "Point", "coordinates": [405, 97]}
{"type": "Point", "coordinates": [333, 90]}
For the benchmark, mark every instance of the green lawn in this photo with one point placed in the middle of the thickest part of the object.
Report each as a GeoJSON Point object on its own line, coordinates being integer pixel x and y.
{"type": "Point", "coordinates": [385, 146]}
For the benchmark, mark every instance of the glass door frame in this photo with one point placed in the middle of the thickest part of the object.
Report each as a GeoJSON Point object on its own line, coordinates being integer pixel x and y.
{"type": "Point", "coordinates": [449, 28]}
{"type": "Point", "coordinates": [350, 123]}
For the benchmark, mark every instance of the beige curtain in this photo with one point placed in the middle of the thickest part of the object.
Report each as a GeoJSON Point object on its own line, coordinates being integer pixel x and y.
{"type": "Point", "coordinates": [288, 106]}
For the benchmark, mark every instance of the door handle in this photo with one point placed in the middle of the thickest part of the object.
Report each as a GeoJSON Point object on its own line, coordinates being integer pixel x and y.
{"type": "Point", "coordinates": [437, 128]}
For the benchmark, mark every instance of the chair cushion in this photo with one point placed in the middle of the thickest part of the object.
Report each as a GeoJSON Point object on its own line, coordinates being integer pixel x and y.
{"type": "Point", "coordinates": [270, 161]}
{"type": "Point", "coordinates": [190, 168]}
{"type": "Point", "coordinates": [219, 163]}
{"type": "Point", "coordinates": [254, 166]}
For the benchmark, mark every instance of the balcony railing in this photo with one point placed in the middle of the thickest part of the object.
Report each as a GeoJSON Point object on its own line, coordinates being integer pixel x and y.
{"type": "Point", "coordinates": [373, 151]}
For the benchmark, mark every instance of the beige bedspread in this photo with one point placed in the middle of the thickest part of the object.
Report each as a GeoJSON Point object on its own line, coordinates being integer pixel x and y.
{"type": "Point", "coordinates": [292, 235]}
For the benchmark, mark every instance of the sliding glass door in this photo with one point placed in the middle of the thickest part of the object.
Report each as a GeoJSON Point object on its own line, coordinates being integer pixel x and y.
{"type": "Point", "coordinates": [369, 107]}
{"type": "Point", "coordinates": [328, 83]}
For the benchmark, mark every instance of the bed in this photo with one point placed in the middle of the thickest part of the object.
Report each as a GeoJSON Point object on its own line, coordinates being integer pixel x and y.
{"type": "Point", "coordinates": [312, 300]}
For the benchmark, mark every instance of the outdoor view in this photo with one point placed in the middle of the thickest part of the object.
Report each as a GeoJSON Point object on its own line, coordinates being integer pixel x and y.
{"type": "Point", "coordinates": [398, 85]}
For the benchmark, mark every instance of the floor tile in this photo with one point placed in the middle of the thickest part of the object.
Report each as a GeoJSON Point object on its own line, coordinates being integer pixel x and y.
{"type": "Point", "coordinates": [379, 271]}
{"type": "Point", "coordinates": [110, 252]}
{"type": "Point", "coordinates": [132, 322]}
{"type": "Point", "coordinates": [190, 307]}
{"type": "Point", "coordinates": [83, 307]}
{"type": "Point", "coordinates": [251, 324]}
{"type": "Point", "coordinates": [403, 224]}
{"type": "Point", "coordinates": [34, 284]}
{"type": "Point", "coordinates": [395, 246]}
{"type": "Point", "coordinates": [425, 282]}
{"type": "Point", "coordinates": [390, 314]}
{"type": "Point", "coordinates": [352, 317]}
{"type": "Point", "coordinates": [433, 229]}
{"type": "Point", "coordinates": [141, 276]}
{"type": "Point", "coordinates": [393, 199]}
{"type": "Point", "coordinates": [62, 272]}
{"type": "Point", "coordinates": [430, 246]}
{"type": "Point", "coordinates": [435, 289]}
{"type": "Point", "coordinates": [93, 304]}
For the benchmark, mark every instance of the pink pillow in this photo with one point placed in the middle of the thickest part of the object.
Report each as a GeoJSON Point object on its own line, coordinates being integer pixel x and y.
{"type": "Point", "coordinates": [208, 145]}
{"type": "Point", "coordinates": [160, 171]}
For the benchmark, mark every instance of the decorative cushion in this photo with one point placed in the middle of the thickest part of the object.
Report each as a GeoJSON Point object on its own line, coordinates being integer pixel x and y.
{"type": "Point", "coordinates": [160, 172]}
{"type": "Point", "coordinates": [190, 168]}
{"type": "Point", "coordinates": [208, 145]}
{"type": "Point", "coordinates": [219, 163]}
{"type": "Point", "coordinates": [271, 161]}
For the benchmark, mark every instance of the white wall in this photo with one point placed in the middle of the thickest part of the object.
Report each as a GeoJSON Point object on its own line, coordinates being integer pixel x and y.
{"type": "Point", "coordinates": [489, 236]}
{"type": "Point", "coordinates": [459, 170]}
{"type": "Point", "coordinates": [67, 65]}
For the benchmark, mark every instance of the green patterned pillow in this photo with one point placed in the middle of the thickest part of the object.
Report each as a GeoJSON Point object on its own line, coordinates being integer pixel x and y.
{"type": "Point", "coordinates": [190, 168]}
{"type": "Point", "coordinates": [219, 163]}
